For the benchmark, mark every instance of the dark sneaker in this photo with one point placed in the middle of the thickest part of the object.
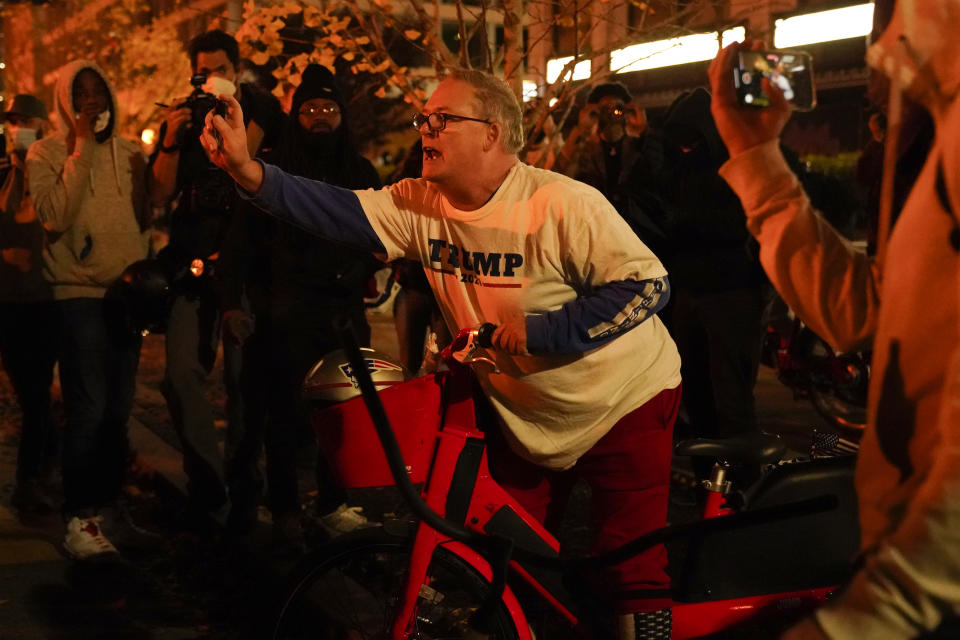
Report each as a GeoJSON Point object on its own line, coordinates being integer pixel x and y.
{"type": "Point", "coordinates": [85, 540]}
{"type": "Point", "coordinates": [117, 524]}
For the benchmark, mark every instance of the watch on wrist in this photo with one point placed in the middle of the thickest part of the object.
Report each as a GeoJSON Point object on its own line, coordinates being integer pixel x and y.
{"type": "Point", "coordinates": [171, 149]}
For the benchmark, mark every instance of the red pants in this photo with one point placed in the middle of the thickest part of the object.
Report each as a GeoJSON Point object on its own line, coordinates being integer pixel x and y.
{"type": "Point", "coordinates": [628, 471]}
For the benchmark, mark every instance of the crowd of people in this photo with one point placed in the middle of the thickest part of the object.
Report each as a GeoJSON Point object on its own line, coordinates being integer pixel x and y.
{"type": "Point", "coordinates": [640, 260]}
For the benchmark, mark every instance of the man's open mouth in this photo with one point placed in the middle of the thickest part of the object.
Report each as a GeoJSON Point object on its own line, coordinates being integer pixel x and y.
{"type": "Point", "coordinates": [429, 153]}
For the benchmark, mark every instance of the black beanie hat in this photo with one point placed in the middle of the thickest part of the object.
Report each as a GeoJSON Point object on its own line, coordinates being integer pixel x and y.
{"type": "Point", "coordinates": [317, 82]}
{"type": "Point", "coordinates": [601, 91]}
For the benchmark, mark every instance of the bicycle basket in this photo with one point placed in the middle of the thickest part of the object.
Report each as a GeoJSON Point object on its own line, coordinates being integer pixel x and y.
{"type": "Point", "coordinates": [349, 442]}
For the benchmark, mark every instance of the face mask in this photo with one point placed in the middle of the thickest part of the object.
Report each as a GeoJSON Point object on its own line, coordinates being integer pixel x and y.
{"type": "Point", "coordinates": [102, 121]}
{"type": "Point", "coordinates": [22, 137]}
{"type": "Point", "coordinates": [217, 85]}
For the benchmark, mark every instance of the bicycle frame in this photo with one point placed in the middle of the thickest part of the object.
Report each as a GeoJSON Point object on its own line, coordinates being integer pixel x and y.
{"type": "Point", "coordinates": [458, 485]}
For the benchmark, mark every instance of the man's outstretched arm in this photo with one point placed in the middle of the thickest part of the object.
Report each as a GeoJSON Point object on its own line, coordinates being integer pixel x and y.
{"type": "Point", "coordinates": [331, 212]}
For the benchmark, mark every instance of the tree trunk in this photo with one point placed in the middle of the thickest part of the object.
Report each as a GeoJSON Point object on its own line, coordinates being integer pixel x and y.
{"type": "Point", "coordinates": [513, 13]}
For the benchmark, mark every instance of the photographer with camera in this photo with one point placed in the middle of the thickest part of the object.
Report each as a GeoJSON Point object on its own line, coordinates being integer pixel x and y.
{"type": "Point", "coordinates": [206, 198]}
{"type": "Point", "coordinates": [606, 141]}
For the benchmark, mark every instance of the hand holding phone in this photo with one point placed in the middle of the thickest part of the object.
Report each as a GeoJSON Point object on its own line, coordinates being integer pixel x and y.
{"type": "Point", "coordinates": [741, 127]}
{"type": "Point", "coordinates": [790, 71]}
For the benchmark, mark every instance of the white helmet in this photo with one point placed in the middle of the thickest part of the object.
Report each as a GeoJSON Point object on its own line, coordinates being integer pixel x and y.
{"type": "Point", "coordinates": [331, 380]}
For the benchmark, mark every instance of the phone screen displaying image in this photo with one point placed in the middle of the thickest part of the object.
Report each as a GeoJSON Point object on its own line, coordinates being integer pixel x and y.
{"type": "Point", "coordinates": [791, 71]}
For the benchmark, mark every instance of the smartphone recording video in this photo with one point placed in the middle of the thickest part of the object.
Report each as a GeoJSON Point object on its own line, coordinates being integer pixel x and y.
{"type": "Point", "coordinates": [791, 71]}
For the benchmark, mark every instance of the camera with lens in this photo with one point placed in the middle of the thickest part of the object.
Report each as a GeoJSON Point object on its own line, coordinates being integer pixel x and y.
{"type": "Point", "coordinates": [200, 103]}
{"type": "Point", "coordinates": [612, 114]}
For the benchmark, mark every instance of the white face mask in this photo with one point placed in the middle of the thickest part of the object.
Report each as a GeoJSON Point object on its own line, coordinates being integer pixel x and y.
{"type": "Point", "coordinates": [217, 85]}
{"type": "Point", "coordinates": [102, 121]}
{"type": "Point", "coordinates": [22, 137]}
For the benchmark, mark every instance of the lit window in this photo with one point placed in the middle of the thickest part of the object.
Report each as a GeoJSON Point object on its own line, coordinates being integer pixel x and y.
{"type": "Point", "coordinates": [666, 53]}
{"type": "Point", "coordinates": [824, 26]}
{"type": "Point", "coordinates": [581, 71]}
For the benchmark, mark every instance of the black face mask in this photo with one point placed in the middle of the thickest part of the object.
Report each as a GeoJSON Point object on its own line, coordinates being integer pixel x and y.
{"type": "Point", "coordinates": [320, 138]}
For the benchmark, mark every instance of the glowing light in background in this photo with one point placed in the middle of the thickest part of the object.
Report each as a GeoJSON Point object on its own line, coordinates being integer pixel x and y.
{"type": "Point", "coordinates": [530, 90]}
{"type": "Point", "coordinates": [824, 26]}
{"type": "Point", "coordinates": [581, 71]}
{"type": "Point", "coordinates": [673, 51]}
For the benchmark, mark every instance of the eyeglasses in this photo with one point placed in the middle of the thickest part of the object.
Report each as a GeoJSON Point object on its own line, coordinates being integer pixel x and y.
{"type": "Point", "coordinates": [438, 121]}
{"type": "Point", "coordinates": [312, 110]}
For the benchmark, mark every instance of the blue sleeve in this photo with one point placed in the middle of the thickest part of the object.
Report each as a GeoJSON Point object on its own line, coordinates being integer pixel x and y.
{"type": "Point", "coordinates": [596, 318]}
{"type": "Point", "coordinates": [331, 212]}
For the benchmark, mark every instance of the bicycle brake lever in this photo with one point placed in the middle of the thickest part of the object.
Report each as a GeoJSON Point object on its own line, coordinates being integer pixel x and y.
{"type": "Point", "coordinates": [464, 347]}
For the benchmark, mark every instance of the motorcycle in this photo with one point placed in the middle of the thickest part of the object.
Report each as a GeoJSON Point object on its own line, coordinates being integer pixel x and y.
{"type": "Point", "coordinates": [835, 383]}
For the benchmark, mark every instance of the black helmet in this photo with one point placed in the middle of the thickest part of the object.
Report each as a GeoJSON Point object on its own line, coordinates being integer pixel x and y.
{"type": "Point", "coordinates": [142, 295]}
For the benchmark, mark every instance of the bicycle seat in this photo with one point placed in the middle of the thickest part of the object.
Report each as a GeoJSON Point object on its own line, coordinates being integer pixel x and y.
{"type": "Point", "coordinates": [749, 448]}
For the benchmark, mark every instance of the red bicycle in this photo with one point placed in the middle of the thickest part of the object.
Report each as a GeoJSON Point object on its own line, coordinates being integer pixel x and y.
{"type": "Point", "coordinates": [474, 564]}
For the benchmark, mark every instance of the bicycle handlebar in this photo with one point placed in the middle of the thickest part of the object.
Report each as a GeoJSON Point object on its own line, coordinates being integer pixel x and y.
{"type": "Point", "coordinates": [485, 334]}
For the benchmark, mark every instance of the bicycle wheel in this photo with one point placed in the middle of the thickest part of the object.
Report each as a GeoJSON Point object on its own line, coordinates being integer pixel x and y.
{"type": "Point", "coordinates": [349, 591]}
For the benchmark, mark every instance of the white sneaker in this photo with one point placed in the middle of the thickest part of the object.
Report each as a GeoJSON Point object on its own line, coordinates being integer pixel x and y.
{"type": "Point", "coordinates": [344, 520]}
{"type": "Point", "coordinates": [85, 540]}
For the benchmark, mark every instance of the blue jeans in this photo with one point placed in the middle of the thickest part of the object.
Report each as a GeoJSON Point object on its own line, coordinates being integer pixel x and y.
{"type": "Point", "coordinates": [98, 368]}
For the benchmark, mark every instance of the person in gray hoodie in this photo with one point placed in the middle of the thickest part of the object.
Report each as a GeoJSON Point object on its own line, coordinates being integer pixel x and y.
{"type": "Point", "coordinates": [89, 191]}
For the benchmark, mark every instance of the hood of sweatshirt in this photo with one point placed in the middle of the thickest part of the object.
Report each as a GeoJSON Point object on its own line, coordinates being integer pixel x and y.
{"type": "Point", "coordinates": [63, 93]}
{"type": "Point", "coordinates": [689, 119]}
{"type": "Point", "coordinates": [63, 96]}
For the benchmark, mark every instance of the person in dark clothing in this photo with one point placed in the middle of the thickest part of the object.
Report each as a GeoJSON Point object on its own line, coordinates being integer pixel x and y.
{"type": "Point", "coordinates": [28, 326]}
{"type": "Point", "coordinates": [296, 283]}
{"type": "Point", "coordinates": [612, 149]}
{"type": "Point", "coordinates": [718, 284]}
{"type": "Point", "coordinates": [179, 169]}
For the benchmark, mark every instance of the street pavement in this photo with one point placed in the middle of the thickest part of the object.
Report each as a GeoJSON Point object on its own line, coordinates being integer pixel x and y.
{"type": "Point", "coordinates": [186, 586]}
